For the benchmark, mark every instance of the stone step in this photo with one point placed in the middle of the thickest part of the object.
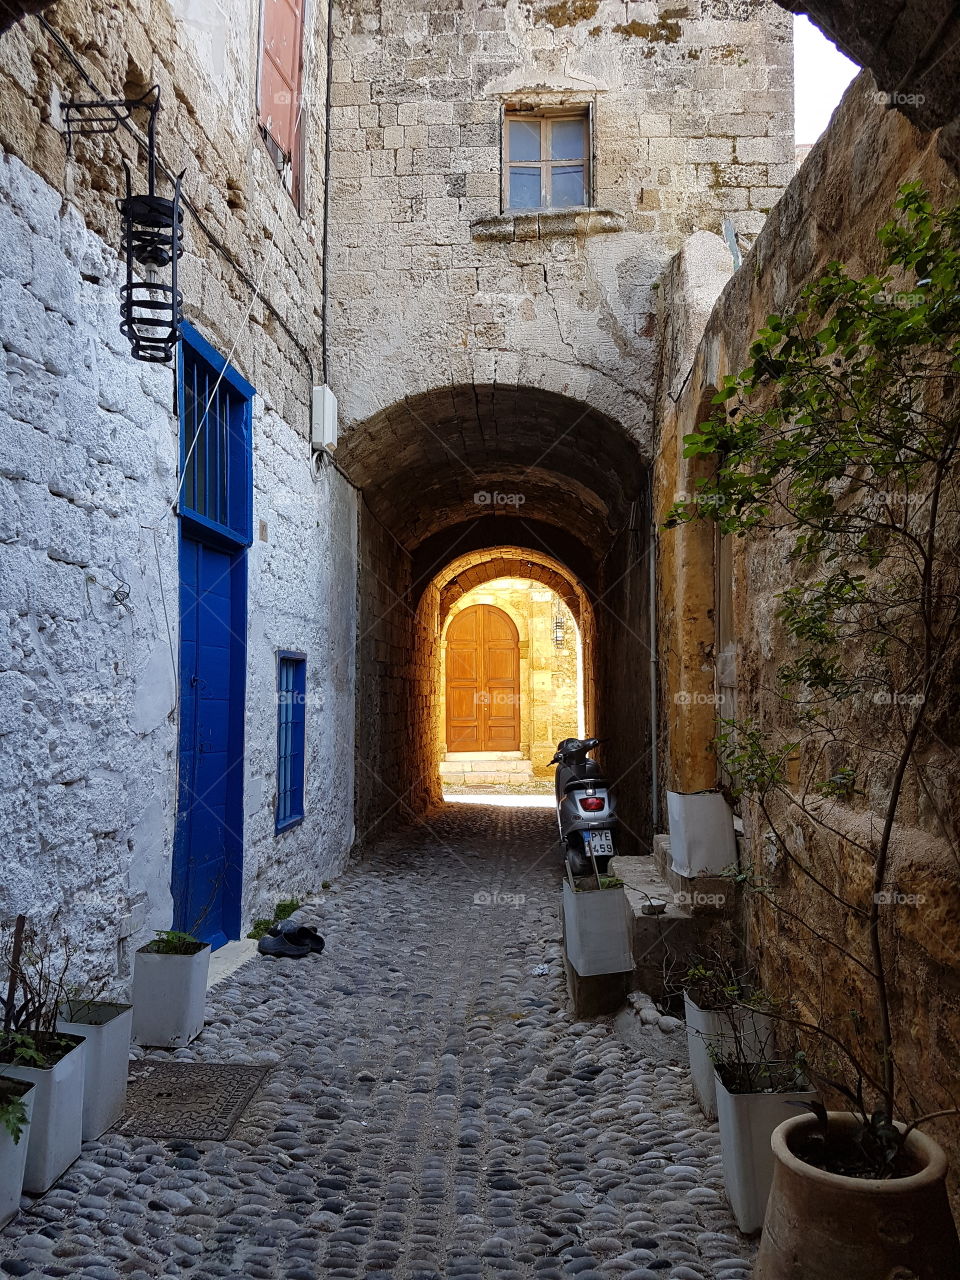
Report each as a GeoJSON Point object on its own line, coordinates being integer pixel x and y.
{"type": "Point", "coordinates": [663, 943]}
{"type": "Point", "coordinates": [482, 767]}
{"type": "Point", "coordinates": [459, 756]}
{"type": "Point", "coordinates": [706, 895]}
{"type": "Point", "coordinates": [493, 784]}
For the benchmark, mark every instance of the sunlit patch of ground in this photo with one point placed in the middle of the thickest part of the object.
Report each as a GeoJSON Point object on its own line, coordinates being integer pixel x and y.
{"type": "Point", "coordinates": [510, 800]}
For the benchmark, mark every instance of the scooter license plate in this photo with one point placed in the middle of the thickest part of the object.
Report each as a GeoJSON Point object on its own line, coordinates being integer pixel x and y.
{"type": "Point", "coordinates": [601, 843]}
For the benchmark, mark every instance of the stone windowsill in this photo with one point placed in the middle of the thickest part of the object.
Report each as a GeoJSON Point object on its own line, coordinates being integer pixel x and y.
{"type": "Point", "coordinates": [539, 224]}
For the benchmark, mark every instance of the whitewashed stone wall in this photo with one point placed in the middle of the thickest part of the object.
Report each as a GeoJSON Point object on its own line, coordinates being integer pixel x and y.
{"type": "Point", "coordinates": [88, 745]}
{"type": "Point", "coordinates": [302, 597]}
{"type": "Point", "coordinates": [88, 707]}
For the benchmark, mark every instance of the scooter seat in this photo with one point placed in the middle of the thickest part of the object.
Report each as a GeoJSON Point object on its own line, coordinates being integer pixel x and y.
{"type": "Point", "coordinates": [583, 784]}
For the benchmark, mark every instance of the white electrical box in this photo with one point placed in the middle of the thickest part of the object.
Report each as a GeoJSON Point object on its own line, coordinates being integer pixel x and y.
{"type": "Point", "coordinates": [323, 422]}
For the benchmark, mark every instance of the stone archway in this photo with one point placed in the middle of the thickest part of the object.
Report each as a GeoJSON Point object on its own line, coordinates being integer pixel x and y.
{"type": "Point", "coordinates": [495, 474]}
{"type": "Point", "coordinates": [461, 580]}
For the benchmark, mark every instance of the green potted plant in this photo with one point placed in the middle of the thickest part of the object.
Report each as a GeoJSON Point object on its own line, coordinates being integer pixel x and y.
{"type": "Point", "coordinates": [170, 989]}
{"type": "Point", "coordinates": [840, 441]}
{"type": "Point", "coordinates": [16, 1107]}
{"type": "Point", "coordinates": [35, 1051]}
{"type": "Point", "coordinates": [716, 996]}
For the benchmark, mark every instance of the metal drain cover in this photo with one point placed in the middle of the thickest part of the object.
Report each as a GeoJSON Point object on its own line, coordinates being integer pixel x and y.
{"type": "Point", "coordinates": [201, 1101]}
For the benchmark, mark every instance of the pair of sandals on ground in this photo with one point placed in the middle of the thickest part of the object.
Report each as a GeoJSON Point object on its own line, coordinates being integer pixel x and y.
{"type": "Point", "coordinates": [287, 938]}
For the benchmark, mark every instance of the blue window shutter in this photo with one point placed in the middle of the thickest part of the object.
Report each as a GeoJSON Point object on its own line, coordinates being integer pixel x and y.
{"type": "Point", "coordinates": [216, 455]}
{"type": "Point", "coordinates": [291, 737]}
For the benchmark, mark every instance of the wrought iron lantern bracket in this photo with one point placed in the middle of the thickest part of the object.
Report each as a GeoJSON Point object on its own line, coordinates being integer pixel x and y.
{"type": "Point", "coordinates": [151, 309]}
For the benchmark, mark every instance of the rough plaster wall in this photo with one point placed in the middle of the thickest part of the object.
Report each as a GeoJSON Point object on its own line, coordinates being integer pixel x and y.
{"type": "Point", "coordinates": [88, 458]}
{"type": "Point", "coordinates": [302, 584]}
{"type": "Point", "coordinates": [89, 714]}
{"type": "Point", "coordinates": [693, 120]}
{"type": "Point", "coordinates": [843, 193]}
{"type": "Point", "coordinates": [685, 555]}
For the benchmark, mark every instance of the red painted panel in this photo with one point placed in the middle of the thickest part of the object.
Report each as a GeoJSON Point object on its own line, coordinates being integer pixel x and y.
{"type": "Point", "coordinates": [280, 68]}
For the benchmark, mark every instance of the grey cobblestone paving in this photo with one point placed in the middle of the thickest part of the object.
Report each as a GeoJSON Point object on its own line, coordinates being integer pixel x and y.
{"type": "Point", "coordinates": [433, 1113]}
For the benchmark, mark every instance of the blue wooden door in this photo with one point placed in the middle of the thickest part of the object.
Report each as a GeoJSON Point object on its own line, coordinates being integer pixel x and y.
{"type": "Point", "coordinates": [209, 848]}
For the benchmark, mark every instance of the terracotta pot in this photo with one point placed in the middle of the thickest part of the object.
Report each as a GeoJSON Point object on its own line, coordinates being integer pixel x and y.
{"type": "Point", "coordinates": [823, 1225]}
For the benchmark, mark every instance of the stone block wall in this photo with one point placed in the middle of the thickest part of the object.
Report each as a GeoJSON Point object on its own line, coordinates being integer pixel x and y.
{"type": "Point", "coordinates": [396, 739]}
{"type": "Point", "coordinates": [624, 710]}
{"type": "Point", "coordinates": [692, 122]}
{"type": "Point", "coordinates": [207, 129]}
{"type": "Point", "coordinates": [841, 196]}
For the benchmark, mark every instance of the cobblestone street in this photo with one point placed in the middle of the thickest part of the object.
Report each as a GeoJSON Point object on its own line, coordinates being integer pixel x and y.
{"type": "Point", "coordinates": [432, 1111]}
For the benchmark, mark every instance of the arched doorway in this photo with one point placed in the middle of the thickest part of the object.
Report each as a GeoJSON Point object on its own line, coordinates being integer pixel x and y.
{"type": "Point", "coordinates": [483, 681]}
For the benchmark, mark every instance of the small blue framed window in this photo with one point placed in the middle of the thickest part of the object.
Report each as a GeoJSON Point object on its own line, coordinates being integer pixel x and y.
{"type": "Point", "coordinates": [216, 463]}
{"type": "Point", "coordinates": [291, 737]}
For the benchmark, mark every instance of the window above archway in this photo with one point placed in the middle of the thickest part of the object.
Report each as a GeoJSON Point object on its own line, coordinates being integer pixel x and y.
{"type": "Point", "coordinates": [546, 159]}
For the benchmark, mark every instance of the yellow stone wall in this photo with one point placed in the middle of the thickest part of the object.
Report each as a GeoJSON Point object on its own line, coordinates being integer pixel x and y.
{"type": "Point", "coordinates": [844, 192]}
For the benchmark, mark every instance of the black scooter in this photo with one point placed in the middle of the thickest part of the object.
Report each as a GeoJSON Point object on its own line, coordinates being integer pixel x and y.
{"type": "Point", "coordinates": [586, 808]}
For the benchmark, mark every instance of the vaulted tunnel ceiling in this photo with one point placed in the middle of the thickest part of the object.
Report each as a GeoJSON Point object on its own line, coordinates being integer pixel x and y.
{"type": "Point", "coordinates": [422, 462]}
{"type": "Point", "coordinates": [443, 548]}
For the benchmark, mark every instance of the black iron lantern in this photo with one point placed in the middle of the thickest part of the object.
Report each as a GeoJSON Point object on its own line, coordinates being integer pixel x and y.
{"type": "Point", "coordinates": [150, 309]}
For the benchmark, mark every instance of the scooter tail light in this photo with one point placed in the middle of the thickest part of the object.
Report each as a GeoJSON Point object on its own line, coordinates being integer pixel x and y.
{"type": "Point", "coordinates": [592, 804]}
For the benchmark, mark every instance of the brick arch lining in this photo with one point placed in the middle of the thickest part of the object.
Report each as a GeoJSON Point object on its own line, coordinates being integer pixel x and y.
{"type": "Point", "coordinates": [506, 562]}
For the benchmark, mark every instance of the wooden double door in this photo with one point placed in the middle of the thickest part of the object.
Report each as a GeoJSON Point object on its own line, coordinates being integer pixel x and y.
{"type": "Point", "coordinates": [483, 681]}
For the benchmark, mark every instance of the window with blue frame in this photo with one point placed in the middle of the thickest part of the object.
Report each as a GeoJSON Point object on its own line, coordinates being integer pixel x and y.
{"type": "Point", "coordinates": [216, 490]}
{"type": "Point", "coordinates": [291, 737]}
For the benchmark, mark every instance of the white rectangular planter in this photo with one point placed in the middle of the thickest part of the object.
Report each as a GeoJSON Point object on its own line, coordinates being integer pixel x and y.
{"type": "Point", "coordinates": [712, 1029]}
{"type": "Point", "coordinates": [56, 1126]}
{"type": "Point", "coordinates": [13, 1161]}
{"type": "Point", "coordinates": [107, 1028]}
{"type": "Point", "coordinates": [702, 838]}
{"type": "Point", "coordinates": [747, 1121]}
{"type": "Point", "coordinates": [169, 997]}
{"type": "Point", "coordinates": [597, 927]}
